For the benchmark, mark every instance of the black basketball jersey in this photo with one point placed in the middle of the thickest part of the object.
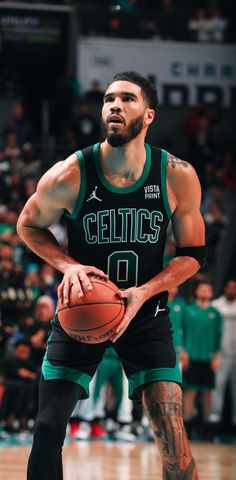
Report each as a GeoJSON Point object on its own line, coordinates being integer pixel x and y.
{"type": "Point", "coordinates": [121, 230]}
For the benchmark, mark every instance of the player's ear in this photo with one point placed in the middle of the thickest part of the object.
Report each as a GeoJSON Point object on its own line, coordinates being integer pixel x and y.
{"type": "Point", "coordinates": [149, 116]}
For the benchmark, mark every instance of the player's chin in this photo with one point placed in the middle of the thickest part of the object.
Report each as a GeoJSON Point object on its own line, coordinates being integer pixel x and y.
{"type": "Point", "coordinates": [116, 139]}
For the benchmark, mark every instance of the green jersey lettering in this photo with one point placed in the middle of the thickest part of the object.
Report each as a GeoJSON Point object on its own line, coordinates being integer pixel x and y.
{"type": "Point", "coordinates": [114, 238]}
{"type": "Point", "coordinates": [90, 217]}
{"type": "Point", "coordinates": [102, 227]}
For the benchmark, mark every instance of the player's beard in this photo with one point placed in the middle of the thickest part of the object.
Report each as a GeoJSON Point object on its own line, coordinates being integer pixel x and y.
{"type": "Point", "coordinates": [118, 139]}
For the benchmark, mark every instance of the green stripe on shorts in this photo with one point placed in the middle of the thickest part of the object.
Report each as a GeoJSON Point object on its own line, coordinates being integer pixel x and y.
{"type": "Point", "coordinates": [59, 372]}
{"type": "Point", "coordinates": [143, 377]}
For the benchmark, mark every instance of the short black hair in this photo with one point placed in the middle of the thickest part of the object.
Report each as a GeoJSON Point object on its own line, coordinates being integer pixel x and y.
{"type": "Point", "coordinates": [148, 89]}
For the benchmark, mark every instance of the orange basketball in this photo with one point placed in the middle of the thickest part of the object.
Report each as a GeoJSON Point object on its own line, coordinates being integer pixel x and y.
{"type": "Point", "coordinates": [93, 317]}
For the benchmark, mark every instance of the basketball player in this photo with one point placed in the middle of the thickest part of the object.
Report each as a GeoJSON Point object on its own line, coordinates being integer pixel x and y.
{"type": "Point", "coordinates": [118, 196]}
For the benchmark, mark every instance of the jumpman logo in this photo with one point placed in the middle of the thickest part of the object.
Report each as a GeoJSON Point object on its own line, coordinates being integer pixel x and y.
{"type": "Point", "coordinates": [93, 196]}
{"type": "Point", "coordinates": [158, 309]}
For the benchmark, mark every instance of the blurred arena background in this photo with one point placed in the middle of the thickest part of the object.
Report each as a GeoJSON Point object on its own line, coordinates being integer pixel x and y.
{"type": "Point", "coordinates": [56, 58]}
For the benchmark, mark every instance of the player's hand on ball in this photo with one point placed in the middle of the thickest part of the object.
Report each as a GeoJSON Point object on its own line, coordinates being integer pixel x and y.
{"type": "Point", "coordinates": [135, 299]}
{"type": "Point", "coordinates": [77, 275]}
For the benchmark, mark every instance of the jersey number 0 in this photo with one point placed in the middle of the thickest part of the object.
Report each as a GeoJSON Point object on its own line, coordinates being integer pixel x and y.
{"type": "Point", "coordinates": [122, 268]}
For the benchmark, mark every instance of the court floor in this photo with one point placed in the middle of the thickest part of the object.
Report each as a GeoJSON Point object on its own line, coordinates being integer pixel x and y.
{"type": "Point", "coordinates": [121, 461]}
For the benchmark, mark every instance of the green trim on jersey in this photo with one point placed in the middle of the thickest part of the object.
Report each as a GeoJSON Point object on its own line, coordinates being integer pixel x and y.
{"type": "Point", "coordinates": [59, 372]}
{"type": "Point", "coordinates": [114, 188]}
{"type": "Point", "coordinates": [82, 190]}
{"type": "Point", "coordinates": [143, 377]}
{"type": "Point", "coordinates": [163, 182]}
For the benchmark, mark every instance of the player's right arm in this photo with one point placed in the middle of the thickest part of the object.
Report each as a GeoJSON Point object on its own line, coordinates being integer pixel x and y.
{"type": "Point", "coordinates": [56, 192]}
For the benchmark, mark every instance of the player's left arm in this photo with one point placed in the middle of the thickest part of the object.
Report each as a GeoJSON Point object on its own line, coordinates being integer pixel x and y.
{"type": "Point", "coordinates": [184, 193]}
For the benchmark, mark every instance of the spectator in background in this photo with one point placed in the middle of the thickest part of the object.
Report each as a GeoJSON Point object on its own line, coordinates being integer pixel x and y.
{"type": "Point", "coordinates": [218, 26]}
{"type": "Point", "coordinates": [216, 221]}
{"type": "Point", "coordinates": [202, 144]}
{"type": "Point", "coordinates": [85, 126]}
{"type": "Point", "coordinates": [43, 314]}
{"type": "Point", "coordinates": [95, 93]}
{"type": "Point", "coordinates": [4, 162]}
{"type": "Point", "coordinates": [114, 28]}
{"type": "Point", "coordinates": [170, 21]}
{"type": "Point", "coordinates": [227, 173]}
{"type": "Point", "coordinates": [32, 164]}
{"type": "Point", "coordinates": [61, 105]}
{"type": "Point", "coordinates": [176, 305]}
{"type": "Point", "coordinates": [197, 127]}
{"type": "Point", "coordinates": [6, 265]}
{"type": "Point", "coordinates": [199, 26]}
{"type": "Point", "coordinates": [226, 304]}
{"type": "Point", "coordinates": [21, 386]}
{"type": "Point", "coordinates": [49, 281]}
{"type": "Point", "coordinates": [208, 176]}
{"type": "Point", "coordinates": [28, 187]}
{"type": "Point", "coordinates": [19, 124]}
{"type": "Point", "coordinates": [202, 327]}
{"type": "Point", "coordinates": [8, 224]}
{"type": "Point", "coordinates": [12, 148]}
{"type": "Point", "coordinates": [18, 294]}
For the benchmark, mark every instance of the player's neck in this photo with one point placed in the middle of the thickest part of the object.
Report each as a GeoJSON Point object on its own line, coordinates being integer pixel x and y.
{"type": "Point", "coordinates": [127, 161]}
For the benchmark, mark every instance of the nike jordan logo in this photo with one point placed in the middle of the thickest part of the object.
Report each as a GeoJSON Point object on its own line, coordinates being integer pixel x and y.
{"type": "Point", "coordinates": [93, 196]}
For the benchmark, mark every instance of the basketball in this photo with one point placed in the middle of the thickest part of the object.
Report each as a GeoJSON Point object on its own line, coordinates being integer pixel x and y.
{"type": "Point", "coordinates": [93, 317]}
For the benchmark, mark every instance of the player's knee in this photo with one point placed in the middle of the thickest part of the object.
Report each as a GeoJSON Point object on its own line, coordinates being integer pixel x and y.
{"type": "Point", "coordinates": [48, 435]}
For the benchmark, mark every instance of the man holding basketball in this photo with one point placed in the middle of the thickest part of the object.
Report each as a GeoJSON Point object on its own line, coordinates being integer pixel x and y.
{"type": "Point", "coordinates": [118, 196]}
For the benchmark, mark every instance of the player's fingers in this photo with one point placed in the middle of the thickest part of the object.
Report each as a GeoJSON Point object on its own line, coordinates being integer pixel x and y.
{"type": "Point", "coordinates": [60, 292]}
{"type": "Point", "coordinates": [122, 325]}
{"type": "Point", "coordinates": [96, 271]}
{"type": "Point", "coordinates": [85, 283]}
{"type": "Point", "coordinates": [74, 281]}
{"type": "Point", "coordinates": [66, 291]}
{"type": "Point", "coordinates": [118, 334]}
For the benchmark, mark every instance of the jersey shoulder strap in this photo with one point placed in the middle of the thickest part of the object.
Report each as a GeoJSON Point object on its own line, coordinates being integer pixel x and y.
{"type": "Point", "coordinates": [84, 157]}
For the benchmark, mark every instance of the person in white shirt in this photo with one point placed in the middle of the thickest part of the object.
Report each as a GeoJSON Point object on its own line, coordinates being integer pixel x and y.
{"type": "Point", "coordinates": [218, 26]}
{"type": "Point", "coordinates": [199, 26]}
{"type": "Point", "coordinates": [226, 304]}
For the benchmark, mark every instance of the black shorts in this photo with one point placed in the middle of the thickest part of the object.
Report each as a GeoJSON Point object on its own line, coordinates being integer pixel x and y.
{"type": "Point", "coordinates": [199, 376]}
{"type": "Point", "coordinates": [145, 349]}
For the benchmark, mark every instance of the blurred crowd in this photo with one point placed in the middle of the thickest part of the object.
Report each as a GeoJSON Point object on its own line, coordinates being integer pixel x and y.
{"type": "Point", "coordinates": [196, 21]}
{"type": "Point", "coordinates": [28, 287]}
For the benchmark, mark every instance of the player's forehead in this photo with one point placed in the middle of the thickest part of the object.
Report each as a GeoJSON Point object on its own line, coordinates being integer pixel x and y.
{"type": "Point", "coordinates": [120, 87]}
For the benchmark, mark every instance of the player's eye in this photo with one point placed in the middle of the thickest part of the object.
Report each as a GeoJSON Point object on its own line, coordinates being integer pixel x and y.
{"type": "Point", "coordinates": [108, 99]}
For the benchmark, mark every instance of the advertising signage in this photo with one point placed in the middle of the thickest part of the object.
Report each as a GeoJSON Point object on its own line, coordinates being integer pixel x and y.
{"type": "Point", "coordinates": [33, 33]}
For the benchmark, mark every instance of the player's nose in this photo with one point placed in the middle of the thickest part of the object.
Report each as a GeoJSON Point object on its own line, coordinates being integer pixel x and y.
{"type": "Point", "coordinates": [116, 105]}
